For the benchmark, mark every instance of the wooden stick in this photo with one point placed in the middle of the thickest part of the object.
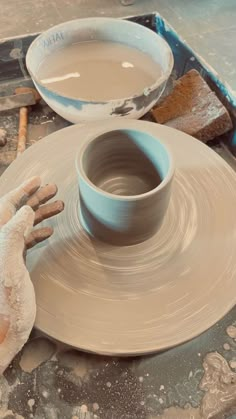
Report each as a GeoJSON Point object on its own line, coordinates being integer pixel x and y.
{"type": "Point", "coordinates": [23, 118]}
{"type": "Point", "coordinates": [22, 135]}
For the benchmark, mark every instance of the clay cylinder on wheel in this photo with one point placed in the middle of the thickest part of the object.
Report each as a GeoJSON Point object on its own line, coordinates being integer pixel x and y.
{"type": "Point", "coordinates": [125, 181]}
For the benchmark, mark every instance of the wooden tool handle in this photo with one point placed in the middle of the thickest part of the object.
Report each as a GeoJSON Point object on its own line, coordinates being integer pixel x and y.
{"type": "Point", "coordinates": [22, 135]}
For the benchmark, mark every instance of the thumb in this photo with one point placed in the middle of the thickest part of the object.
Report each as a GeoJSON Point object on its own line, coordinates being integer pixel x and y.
{"type": "Point", "coordinates": [20, 225]}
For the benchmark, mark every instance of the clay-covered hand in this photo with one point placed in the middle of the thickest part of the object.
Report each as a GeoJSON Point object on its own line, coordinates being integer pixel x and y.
{"type": "Point", "coordinates": [20, 210]}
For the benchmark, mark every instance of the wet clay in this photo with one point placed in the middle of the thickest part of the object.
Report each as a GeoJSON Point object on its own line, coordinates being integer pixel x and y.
{"type": "Point", "coordinates": [219, 400]}
{"type": "Point", "coordinates": [98, 71]}
{"type": "Point", "coordinates": [134, 299]}
{"type": "Point", "coordinates": [80, 363]}
{"type": "Point", "coordinates": [226, 347]}
{"type": "Point", "coordinates": [35, 353]}
{"type": "Point", "coordinates": [233, 364]}
{"type": "Point", "coordinates": [231, 331]}
{"type": "Point", "coordinates": [179, 413]}
{"type": "Point", "coordinates": [11, 415]}
{"type": "Point", "coordinates": [131, 165]}
{"type": "Point", "coordinates": [219, 383]}
{"type": "Point", "coordinates": [115, 164]}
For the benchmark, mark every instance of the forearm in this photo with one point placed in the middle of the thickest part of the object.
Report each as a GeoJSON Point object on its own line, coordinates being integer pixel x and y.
{"type": "Point", "coordinates": [16, 328]}
{"type": "Point", "coordinates": [17, 314]}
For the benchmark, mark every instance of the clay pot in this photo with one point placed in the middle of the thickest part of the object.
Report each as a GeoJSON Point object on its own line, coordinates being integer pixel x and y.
{"type": "Point", "coordinates": [124, 184]}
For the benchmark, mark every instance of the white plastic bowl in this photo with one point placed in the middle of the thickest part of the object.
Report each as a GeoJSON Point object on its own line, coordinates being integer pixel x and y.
{"type": "Point", "coordinates": [104, 29]}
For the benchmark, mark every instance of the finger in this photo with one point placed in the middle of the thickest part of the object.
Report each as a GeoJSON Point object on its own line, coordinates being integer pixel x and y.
{"type": "Point", "coordinates": [37, 236]}
{"type": "Point", "coordinates": [19, 196]}
{"type": "Point", "coordinates": [48, 210]}
{"type": "Point", "coordinates": [42, 195]}
{"type": "Point", "coordinates": [19, 225]}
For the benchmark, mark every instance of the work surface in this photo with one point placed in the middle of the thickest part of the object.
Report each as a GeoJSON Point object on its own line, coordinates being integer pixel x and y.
{"type": "Point", "coordinates": [55, 382]}
{"type": "Point", "coordinates": [208, 26]}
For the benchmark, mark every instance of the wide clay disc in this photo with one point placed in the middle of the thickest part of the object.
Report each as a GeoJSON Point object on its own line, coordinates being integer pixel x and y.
{"type": "Point", "coordinates": [142, 298]}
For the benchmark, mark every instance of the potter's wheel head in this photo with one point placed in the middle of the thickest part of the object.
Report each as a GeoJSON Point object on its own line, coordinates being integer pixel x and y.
{"type": "Point", "coordinates": [129, 300]}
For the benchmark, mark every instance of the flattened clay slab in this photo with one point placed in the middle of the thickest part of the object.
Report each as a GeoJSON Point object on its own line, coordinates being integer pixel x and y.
{"type": "Point", "coordinates": [142, 298]}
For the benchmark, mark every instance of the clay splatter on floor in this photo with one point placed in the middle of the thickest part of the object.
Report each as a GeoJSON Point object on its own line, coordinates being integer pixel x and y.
{"type": "Point", "coordinates": [35, 353]}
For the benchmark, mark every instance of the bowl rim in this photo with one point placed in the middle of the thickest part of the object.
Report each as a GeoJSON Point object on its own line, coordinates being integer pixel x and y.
{"type": "Point", "coordinates": [146, 91]}
{"type": "Point", "coordinates": [124, 198]}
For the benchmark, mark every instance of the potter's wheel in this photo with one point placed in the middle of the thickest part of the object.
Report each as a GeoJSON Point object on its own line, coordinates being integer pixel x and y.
{"type": "Point", "coordinates": [143, 298]}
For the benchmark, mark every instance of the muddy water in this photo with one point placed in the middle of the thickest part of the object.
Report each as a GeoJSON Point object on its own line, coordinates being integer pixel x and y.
{"type": "Point", "coordinates": [98, 70]}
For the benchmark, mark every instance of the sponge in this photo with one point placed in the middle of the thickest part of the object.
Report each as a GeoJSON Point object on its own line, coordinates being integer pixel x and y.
{"type": "Point", "coordinates": [192, 107]}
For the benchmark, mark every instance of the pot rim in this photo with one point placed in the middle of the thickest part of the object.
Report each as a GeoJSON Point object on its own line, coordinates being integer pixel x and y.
{"type": "Point", "coordinates": [124, 198]}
